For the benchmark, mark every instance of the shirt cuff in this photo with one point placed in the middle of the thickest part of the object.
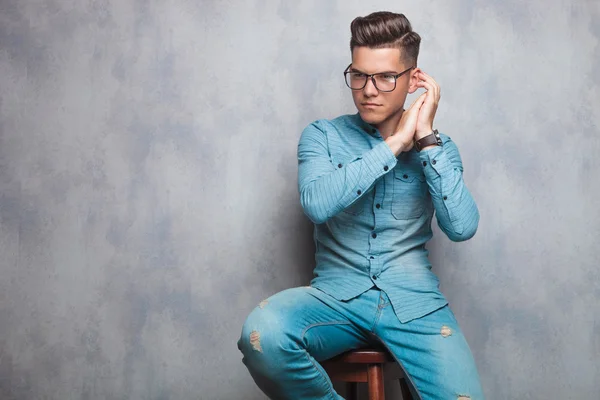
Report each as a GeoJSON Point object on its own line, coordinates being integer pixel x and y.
{"type": "Point", "coordinates": [380, 160]}
{"type": "Point", "coordinates": [435, 162]}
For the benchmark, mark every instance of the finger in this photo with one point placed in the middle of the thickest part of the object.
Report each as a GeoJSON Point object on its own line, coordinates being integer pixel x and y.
{"type": "Point", "coordinates": [430, 95]}
{"type": "Point", "coordinates": [431, 89]}
{"type": "Point", "coordinates": [413, 112]}
{"type": "Point", "coordinates": [427, 76]}
{"type": "Point", "coordinates": [424, 76]}
{"type": "Point", "coordinates": [420, 100]}
{"type": "Point", "coordinates": [427, 85]}
{"type": "Point", "coordinates": [430, 83]}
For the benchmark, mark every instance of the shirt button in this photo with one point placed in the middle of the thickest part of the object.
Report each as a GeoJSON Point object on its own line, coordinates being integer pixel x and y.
{"type": "Point", "coordinates": [339, 165]}
{"type": "Point", "coordinates": [374, 277]}
{"type": "Point", "coordinates": [385, 168]}
{"type": "Point", "coordinates": [378, 205]}
{"type": "Point", "coordinates": [445, 197]}
{"type": "Point", "coordinates": [405, 176]}
{"type": "Point", "coordinates": [434, 162]}
{"type": "Point", "coordinates": [424, 163]}
{"type": "Point", "coordinates": [373, 235]}
{"type": "Point", "coordinates": [358, 192]}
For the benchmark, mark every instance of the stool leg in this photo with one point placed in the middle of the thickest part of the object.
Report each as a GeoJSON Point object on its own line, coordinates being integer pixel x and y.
{"type": "Point", "coordinates": [375, 380]}
{"type": "Point", "coordinates": [405, 390]}
{"type": "Point", "coordinates": [352, 390]}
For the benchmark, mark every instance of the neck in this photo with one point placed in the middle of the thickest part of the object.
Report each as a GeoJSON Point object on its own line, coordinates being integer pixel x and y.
{"type": "Point", "coordinates": [389, 126]}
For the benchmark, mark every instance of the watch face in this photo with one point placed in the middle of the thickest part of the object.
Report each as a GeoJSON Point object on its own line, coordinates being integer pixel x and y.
{"type": "Point", "coordinates": [437, 137]}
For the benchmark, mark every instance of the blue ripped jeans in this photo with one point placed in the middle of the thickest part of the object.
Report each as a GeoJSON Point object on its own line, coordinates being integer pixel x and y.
{"type": "Point", "coordinates": [286, 336]}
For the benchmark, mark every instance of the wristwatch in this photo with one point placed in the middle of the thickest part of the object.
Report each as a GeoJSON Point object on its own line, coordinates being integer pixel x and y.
{"type": "Point", "coordinates": [431, 139]}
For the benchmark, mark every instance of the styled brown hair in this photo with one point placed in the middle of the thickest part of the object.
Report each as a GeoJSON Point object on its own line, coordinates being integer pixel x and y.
{"type": "Point", "coordinates": [384, 29]}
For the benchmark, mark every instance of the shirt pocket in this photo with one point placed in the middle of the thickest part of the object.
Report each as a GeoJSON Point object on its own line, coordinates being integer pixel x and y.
{"type": "Point", "coordinates": [339, 162]}
{"type": "Point", "coordinates": [409, 193]}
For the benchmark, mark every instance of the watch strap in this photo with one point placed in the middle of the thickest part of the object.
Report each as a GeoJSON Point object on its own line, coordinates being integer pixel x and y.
{"type": "Point", "coordinates": [431, 139]}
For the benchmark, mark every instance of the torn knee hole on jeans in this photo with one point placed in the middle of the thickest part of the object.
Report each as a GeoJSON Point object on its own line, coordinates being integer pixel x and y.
{"type": "Point", "coordinates": [463, 397]}
{"type": "Point", "coordinates": [263, 303]}
{"type": "Point", "coordinates": [445, 332]}
{"type": "Point", "coordinates": [255, 341]}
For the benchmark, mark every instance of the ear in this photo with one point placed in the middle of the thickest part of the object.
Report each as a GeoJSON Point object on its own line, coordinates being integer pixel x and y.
{"type": "Point", "coordinates": [413, 80]}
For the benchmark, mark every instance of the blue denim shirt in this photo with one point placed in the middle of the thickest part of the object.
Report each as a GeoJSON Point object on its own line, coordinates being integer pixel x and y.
{"type": "Point", "coordinates": [373, 211]}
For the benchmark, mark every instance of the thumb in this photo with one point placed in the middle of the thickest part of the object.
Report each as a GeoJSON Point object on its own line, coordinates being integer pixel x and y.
{"type": "Point", "coordinates": [418, 102]}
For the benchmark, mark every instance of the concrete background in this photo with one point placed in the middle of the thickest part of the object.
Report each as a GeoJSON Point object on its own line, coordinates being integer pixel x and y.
{"type": "Point", "coordinates": [148, 193]}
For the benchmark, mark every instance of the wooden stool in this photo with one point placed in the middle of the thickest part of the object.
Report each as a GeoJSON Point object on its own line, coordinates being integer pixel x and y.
{"type": "Point", "coordinates": [366, 365]}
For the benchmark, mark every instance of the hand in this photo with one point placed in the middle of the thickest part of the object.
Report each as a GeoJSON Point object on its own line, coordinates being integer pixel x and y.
{"type": "Point", "coordinates": [430, 105]}
{"type": "Point", "coordinates": [403, 138]}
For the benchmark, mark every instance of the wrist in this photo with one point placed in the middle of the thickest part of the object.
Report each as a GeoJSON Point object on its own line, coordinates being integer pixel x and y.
{"type": "Point", "coordinates": [396, 145]}
{"type": "Point", "coordinates": [422, 133]}
{"type": "Point", "coordinates": [428, 141]}
{"type": "Point", "coordinates": [429, 147]}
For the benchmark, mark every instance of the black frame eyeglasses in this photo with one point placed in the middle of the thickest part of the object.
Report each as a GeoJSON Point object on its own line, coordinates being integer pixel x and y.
{"type": "Point", "coordinates": [381, 75]}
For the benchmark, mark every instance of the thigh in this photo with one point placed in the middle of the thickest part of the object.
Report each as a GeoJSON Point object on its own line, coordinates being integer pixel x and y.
{"type": "Point", "coordinates": [434, 353]}
{"type": "Point", "coordinates": [302, 317]}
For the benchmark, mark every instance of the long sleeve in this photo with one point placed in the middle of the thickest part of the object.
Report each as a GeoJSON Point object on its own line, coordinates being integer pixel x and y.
{"type": "Point", "coordinates": [326, 189]}
{"type": "Point", "coordinates": [455, 209]}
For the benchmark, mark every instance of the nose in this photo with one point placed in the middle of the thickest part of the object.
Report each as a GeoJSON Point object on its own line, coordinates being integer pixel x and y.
{"type": "Point", "coordinates": [370, 90]}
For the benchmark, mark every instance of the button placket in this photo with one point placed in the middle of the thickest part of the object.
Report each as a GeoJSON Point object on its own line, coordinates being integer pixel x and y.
{"type": "Point", "coordinates": [374, 267]}
{"type": "Point", "coordinates": [375, 242]}
{"type": "Point", "coordinates": [375, 270]}
{"type": "Point", "coordinates": [378, 199]}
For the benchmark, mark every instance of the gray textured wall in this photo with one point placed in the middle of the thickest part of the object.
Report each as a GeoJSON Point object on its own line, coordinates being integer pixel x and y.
{"type": "Point", "coordinates": [148, 186]}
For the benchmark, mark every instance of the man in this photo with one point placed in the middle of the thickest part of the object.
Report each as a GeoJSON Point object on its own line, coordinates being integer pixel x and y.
{"type": "Point", "coordinates": [371, 183]}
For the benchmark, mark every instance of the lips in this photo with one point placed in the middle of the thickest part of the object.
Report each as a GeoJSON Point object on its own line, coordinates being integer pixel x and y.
{"type": "Point", "coordinates": [371, 105]}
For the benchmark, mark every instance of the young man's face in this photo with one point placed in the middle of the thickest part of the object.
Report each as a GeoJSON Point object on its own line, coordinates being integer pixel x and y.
{"type": "Point", "coordinates": [374, 105]}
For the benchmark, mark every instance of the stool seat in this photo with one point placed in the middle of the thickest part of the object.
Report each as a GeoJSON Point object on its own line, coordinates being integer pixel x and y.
{"type": "Point", "coordinates": [365, 356]}
{"type": "Point", "coordinates": [369, 365]}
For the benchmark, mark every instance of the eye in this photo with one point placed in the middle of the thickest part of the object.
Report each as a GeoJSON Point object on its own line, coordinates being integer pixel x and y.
{"type": "Point", "coordinates": [358, 75]}
{"type": "Point", "coordinates": [388, 77]}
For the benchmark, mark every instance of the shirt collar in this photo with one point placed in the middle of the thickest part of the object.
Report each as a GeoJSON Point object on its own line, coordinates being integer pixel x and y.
{"type": "Point", "coordinates": [365, 127]}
